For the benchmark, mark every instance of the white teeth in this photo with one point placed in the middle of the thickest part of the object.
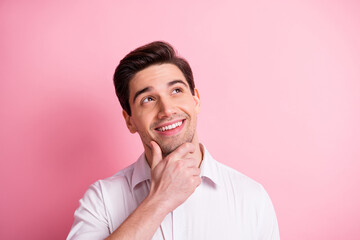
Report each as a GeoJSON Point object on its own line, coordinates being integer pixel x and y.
{"type": "Point", "coordinates": [169, 127]}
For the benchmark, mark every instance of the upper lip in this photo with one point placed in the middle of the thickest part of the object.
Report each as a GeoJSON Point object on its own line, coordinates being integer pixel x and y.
{"type": "Point", "coordinates": [168, 123]}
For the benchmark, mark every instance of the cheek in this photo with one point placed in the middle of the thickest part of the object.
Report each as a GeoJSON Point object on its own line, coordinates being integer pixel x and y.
{"type": "Point", "coordinates": [186, 102]}
{"type": "Point", "coordinates": [142, 122]}
{"type": "Point", "coordinates": [189, 105]}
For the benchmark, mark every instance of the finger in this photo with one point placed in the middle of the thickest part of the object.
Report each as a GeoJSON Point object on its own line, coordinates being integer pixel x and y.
{"type": "Point", "coordinates": [191, 162]}
{"type": "Point", "coordinates": [197, 180]}
{"type": "Point", "coordinates": [181, 152]}
{"type": "Point", "coordinates": [156, 154]}
{"type": "Point", "coordinates": [194, 171]}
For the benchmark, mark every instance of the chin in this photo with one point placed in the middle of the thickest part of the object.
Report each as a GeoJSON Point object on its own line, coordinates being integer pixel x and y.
{"type": "Point", "coordinates": [170, 147]}
{"type": "Point", "coordinates": [166, 150]}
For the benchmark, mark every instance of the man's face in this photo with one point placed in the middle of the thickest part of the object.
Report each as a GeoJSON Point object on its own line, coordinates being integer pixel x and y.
{"type": "Point", "coordinates": [163, 108]}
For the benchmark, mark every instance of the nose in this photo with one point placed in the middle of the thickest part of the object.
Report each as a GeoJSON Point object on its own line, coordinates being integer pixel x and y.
{"type": "Point", "coordinates": [166, 108]}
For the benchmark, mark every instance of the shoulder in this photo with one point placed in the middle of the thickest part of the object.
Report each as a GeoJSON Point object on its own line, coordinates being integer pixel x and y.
{"type": "Point", "coordinates": [233, 177]}
{"type": "Point", "coordinates": [102, 195]}
{"type": "Point", "coordinates": [121, 181]}
{"type": "Point", "coordinates": [233, 182]}
{"type": "Point", "coordinates": [227, 177]}
{"type": "Point", "coordinates": [99, 209]}
{"type": "Point", "coordinates": [245, 191]}
{"type": "Point", "coordinates": [118, 183]}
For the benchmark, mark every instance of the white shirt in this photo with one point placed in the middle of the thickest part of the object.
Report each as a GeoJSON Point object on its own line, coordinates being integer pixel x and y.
{"type": "Point", "coordinates": [226, 205]}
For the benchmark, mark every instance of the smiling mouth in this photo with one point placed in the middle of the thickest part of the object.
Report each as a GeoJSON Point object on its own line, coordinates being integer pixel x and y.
{"type": "Point", "coordinates": [170, 126]}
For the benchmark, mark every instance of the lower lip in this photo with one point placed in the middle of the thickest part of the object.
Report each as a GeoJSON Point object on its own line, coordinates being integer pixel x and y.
{"type": "Point", "coordinates": [173, 131]}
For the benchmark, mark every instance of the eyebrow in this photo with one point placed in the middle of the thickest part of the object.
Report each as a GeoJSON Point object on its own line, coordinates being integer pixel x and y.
{"type": "Point", "coordinates": [148, 89]}
{"type": "Point", "coordinates": [177, 81]}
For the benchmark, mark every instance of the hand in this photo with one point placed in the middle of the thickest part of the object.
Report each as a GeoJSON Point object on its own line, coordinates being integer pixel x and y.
{"type": "Point", "coordinates": [174, 178]}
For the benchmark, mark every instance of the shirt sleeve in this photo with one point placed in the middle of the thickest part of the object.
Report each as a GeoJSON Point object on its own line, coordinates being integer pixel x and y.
{"type": "Point", "coordinates": [268, 225]}
{"type": "Point", "coordinates": [90, 219]}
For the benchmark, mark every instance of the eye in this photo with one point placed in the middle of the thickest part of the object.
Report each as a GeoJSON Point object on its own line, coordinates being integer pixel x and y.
{"type": "Point", "coordinates": [147, 100]}
{"type": "Point", "coordinates": [176, 90]}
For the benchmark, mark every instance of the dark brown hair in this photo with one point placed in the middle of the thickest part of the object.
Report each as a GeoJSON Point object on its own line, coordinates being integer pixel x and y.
{"type": "Point", "coordinates": [141, 58]}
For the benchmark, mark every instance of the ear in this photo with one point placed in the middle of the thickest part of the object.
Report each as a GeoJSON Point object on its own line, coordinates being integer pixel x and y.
{"type": "Point", "coordinates": [130, 125]}
{"type": "Point", "coordinates": [197, 101]}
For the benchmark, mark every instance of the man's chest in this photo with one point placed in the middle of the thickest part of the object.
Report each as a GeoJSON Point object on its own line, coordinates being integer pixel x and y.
{"type": "Point", "coordinates": [206, 214]}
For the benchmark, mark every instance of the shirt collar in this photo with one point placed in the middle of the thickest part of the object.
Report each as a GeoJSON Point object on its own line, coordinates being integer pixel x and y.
{"type": "Point", "coordinates": [141, 172]}
{"type": "Point", "coordinates": [209, 169]}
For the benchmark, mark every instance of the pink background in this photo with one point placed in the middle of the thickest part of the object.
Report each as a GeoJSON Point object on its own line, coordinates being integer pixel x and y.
{"type": "Point", "coordinates": [280, 89]}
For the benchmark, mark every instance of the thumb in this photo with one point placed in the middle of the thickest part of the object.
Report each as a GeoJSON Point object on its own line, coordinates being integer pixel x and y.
{"type": "Point", "coordinates": [156, 154]}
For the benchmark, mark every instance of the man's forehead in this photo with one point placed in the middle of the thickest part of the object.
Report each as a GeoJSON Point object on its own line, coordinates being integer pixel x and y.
{"type": "Point", "coordinates": [154, 76]}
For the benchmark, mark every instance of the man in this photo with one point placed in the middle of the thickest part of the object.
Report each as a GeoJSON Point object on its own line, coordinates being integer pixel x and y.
{"type": "Point", "coordinates": [175, 190]}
